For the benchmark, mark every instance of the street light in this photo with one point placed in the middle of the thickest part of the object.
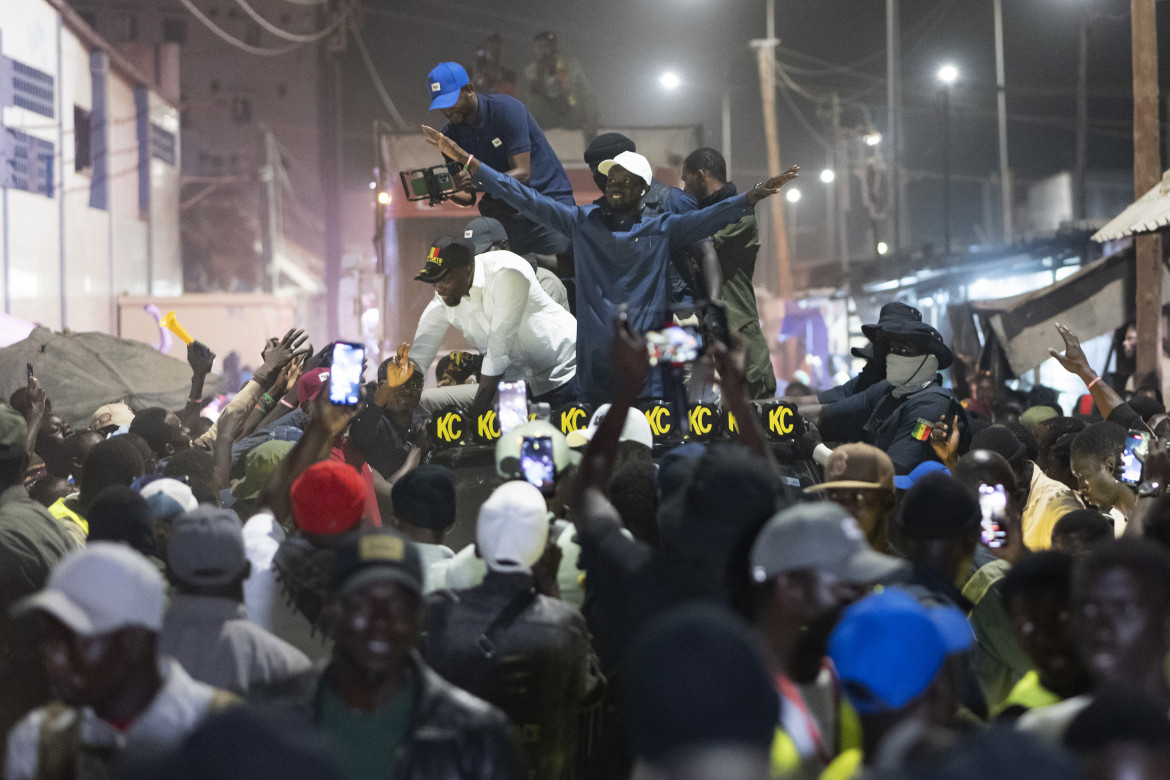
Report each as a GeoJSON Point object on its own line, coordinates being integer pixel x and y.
{"type": "Point", "coordinates": [872, 139]}
{"type": "Point", "coordinates": [793, 195]}
{"type": "Point", "coordinates": [827, 176]}
{"type": "Point", "coordinates": [670, 81]}
{"type": "Point", "coordinates": [948, 74]}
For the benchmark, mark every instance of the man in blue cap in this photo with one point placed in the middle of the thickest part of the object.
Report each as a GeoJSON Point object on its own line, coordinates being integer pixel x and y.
{"type": "Point", "coordinates": [500, 131]}
{"type": "Point", "coordinates": [891, 654]}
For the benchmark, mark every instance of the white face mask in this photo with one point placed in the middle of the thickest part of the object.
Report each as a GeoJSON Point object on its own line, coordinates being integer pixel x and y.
{"type": "Point", "coordinates": [910, 372]}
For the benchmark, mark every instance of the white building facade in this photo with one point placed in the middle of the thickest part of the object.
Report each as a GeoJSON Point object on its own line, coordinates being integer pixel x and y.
{"type": "Point", "coordinates": [89, 173]}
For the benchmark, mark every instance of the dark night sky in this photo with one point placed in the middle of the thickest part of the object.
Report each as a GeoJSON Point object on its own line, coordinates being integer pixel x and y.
{"type": "Point", "coordinates": [625, 44]}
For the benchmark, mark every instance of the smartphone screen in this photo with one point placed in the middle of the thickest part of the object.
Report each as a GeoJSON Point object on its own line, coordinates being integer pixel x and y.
{"type": "Point", "coordinates": [993, 507]}
{"type": "Point", "coordinates": [345, 375]}
{"type": "Point", "coordinates": [513, 405]}
{"type": "Point", "coordinates": [673, 344]}
{"type": "Point", "coordinates": [1133, 457]}
{"type": "Point", "coordinates": [537, 464]}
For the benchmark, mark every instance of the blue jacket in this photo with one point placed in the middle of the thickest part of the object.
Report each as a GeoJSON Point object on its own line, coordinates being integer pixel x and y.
{"type": "Point", "coordinates": [614, 265]}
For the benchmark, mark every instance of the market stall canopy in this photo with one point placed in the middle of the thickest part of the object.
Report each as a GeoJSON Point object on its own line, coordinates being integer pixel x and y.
{"type": "Point", "coordinates": [1147, 214]}
{"type": "Point", "coordinates": [82, 371]}
{"type": "Point", "coordinates": [1091, 302]}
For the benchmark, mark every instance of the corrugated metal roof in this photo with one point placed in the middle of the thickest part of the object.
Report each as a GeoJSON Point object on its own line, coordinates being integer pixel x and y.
{"type": "Point", "coordinates": [1149, 213]}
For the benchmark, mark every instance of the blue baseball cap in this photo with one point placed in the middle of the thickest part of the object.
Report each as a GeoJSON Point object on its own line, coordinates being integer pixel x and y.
{"type": "Point", "coordinates": [888, 648]}
{"type": "Point", "coordinates": [906, 481]}
{"type": "Point", "coordinates": [444, 83]}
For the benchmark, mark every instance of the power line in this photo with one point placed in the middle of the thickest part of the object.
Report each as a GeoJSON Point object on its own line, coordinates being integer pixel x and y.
{"type": "Point", "coordinates": [378, 85]}
{"type": "Point", "coordinates": [285, 34]}
{"type": "Point", "coordinates": [229, 38]}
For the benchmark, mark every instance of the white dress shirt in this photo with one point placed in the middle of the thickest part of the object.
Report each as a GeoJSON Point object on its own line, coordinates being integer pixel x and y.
{"type": "Point", "coordinates": [507, 315]}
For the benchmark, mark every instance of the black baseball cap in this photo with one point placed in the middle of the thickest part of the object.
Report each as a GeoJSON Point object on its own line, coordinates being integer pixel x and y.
{"type": "Point", "coordinates": [446, 253]}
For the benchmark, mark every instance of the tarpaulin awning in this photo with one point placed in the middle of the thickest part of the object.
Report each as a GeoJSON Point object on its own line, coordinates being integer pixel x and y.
{"type": "Point", "coordinates": [1091, 302]}
{"type": "Point", "coordinates": [1149, 213]}
{"type": "Point", "coordinates": [82, 371]}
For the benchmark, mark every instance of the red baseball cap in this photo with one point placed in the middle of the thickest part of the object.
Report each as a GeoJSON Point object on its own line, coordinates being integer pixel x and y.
{"type": "Point", "coordinates": [328, 498]}
{"type": "Point", "coordinates": [310, 384]}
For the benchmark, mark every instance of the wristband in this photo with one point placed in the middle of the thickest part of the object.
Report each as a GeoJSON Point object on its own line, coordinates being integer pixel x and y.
{"type": "Point", "coordinates": [470, 157]}
{"type": "Point", "coordinates": [195, 400]}
{"type": "Point", "coordinates": [1092, 382]}
{"type": "Point", "coordinates": [271, 401]}
{"type": "Point", "coordinates": [286, 403]}
{"type": "Point", "coordinates": [821, 453]}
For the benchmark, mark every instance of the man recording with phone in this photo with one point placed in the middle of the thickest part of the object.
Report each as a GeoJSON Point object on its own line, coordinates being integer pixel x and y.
{"type": "Point", "coordinates": [497, 303]}
{"type": "Point", "coordinates": [499, 130]}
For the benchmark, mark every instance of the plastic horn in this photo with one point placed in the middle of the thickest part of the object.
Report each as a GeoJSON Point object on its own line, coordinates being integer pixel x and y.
{"type": "Point", "coordinates": [171, 322]}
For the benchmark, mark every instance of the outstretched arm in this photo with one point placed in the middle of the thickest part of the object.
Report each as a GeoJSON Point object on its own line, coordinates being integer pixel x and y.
{"type": "Point", "coordinates": [536, 207]}
{"type": "Point", "coordinates": [1074, 361]}
{"type": "Point", "coordinates": [685, 229]}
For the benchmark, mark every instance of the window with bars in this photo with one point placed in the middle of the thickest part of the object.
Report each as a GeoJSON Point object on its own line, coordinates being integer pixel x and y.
{"type": "Point", "coordinates": [33, 89]}
{"type": "Point", "coordinates": [32, 162]}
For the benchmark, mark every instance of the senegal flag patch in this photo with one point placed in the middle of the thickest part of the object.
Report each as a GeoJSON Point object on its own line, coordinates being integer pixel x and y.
{"type": "Point", "coordinates": [922, 429]}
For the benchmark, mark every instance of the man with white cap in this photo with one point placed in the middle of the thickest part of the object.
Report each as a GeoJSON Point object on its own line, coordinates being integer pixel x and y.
{"type": "Point", "coordinates": [528, 654]}
{"type": "Point", "coordinates": [206, 628]}
{"type": "Point", "coordinates": [102, 611]}
{"type": "Point", "coordinates": [621, 257]}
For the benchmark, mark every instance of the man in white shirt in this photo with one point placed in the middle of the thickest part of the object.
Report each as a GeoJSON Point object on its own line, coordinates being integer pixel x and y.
{"type": "Point", "coordinates": [498, 304]}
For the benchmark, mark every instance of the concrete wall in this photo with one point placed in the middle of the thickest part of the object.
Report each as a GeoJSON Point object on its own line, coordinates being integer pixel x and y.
{"type": "Point", "coordinates": [60, 249]}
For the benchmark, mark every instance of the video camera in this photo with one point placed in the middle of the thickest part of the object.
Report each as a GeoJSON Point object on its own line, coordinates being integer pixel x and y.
{"type": "Point", "coordinates": [435, 184]}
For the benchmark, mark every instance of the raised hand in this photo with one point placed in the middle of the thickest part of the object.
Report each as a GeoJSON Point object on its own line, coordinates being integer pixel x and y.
{"type": "Point", "coordinates": [277, 355]}
{"type": "Point", "coordinates": [771, 186]}
{"type": "Point", "coordinates": [200, 358]}
{"type": "Point", "coordinates": [631, 359]}
{"type": "Point", "coordinates": [944, 439]}
{"type": "Point", "coordinates": [445, 145]}
{"type": "Point", "coordinates": [1073, 360]}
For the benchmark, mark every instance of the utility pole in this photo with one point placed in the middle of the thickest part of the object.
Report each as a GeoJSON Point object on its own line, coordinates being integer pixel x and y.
{"type": "Point", "coordinates": [726, 132]}
{"type": "Point", "coordinates": [271, 205]}
{"type": "Point", "coordinates": [946, 172]}
{"type": "Point", "coordinates": [1082, 128]}
{"type": "Point", "coordinates": [840, 184]}
{"type": "Point", "coordinates": [1147, 172]}
{"type": "Point", "coordinates": [766, 60]}
{"type": "Point", "coordinates": [894, 114]}
{"type": "Point", "coordinates": [1005, 174]}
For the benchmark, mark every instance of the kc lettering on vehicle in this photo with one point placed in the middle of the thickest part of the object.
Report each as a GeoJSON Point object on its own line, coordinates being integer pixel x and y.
{"type": "Point", "coordinates": [732, 425]}
{"type": "Point", "coordinates": [450, 427]}
{"type": "Point", "coordinates": [780, 420]}
{"type": "Point", "coordinates": [660, 420]}
{"type": "Point", "coordinates": [487, 427]}
{"type": "Point", "coordinates": [700, 418]}
{"type": "Point", "coordinates": [572, 419]}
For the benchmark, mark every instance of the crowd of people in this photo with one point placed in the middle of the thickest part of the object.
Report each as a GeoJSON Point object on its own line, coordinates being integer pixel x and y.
{"type": "Point", "coordinates": [973, 584]}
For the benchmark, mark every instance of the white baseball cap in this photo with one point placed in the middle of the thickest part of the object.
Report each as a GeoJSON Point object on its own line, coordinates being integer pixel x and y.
{"type": "Point", "coordinates": [636, 428]}
{"type": "Point", "coordinates": [101, 588]}
{"type": "Point", "coordinates": [512, 530]}
{"type": "Point", "coordinates": [171, 488]}
{"type": "Point", "coordinates": [632, 162]}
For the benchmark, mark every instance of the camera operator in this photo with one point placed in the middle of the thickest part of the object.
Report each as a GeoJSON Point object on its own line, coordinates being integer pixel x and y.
{"type": "Point", "coordinates": [499, 130]}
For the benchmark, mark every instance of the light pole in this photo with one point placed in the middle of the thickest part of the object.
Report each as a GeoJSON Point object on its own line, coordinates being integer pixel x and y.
{"type": "Point", "coordinates": [792, 195]}
{"type": "Point", "coordinates": [948, 74]}
{"type": "Point", "coordinates": [1005, 174]}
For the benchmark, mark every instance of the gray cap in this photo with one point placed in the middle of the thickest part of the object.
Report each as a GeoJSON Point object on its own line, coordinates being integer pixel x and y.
{"type": "Point", "coordinates": [820, 536]}
{"type": "Point", "coordinates": [483, 232]}
{"type": "Point", "coordinates": [206, 547]}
